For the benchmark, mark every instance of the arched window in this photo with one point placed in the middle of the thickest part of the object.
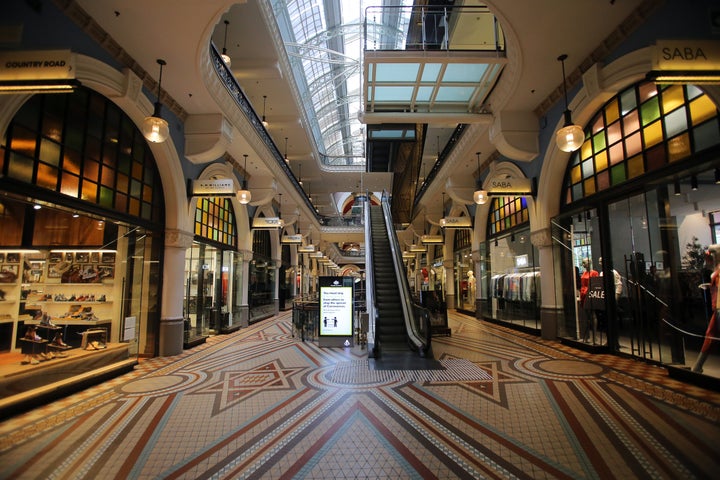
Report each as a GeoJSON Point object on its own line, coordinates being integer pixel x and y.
{"type": "Point", "coordinates": [83, 146]}
{"type": "Point", "coordinates": [643, 129]}
{"type": "Point", "coordinates": [215, 220]}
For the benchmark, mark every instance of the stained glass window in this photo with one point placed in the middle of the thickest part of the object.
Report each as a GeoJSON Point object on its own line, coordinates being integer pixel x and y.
{"type": "Point", "coordinates": [215, 220]}
{"type": "Point", "coordinates": [507, 213]}
{"type": "Point", "coordinates": [83, 146]}
{"type": "Point", "coordinates": [643, 129]}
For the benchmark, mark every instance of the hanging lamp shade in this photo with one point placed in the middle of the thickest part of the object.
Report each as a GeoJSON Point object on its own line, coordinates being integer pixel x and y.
{"type": "Point", "coordinates": [244, 196]}
{"type": "Point", "coordinates": [570, 137]}
{"type": "Point", "coordinates": [480, 196]}
{"type": "Point", "coordinates": [225, 57]}
{"type": "Point", "coordinates": [155, 128]}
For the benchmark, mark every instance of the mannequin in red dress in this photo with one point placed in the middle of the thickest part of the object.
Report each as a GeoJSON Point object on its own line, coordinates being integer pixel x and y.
{"type": "Point", "coordinates": [590, 319]}
{"type": "Point", "coordinates": [713, 330]}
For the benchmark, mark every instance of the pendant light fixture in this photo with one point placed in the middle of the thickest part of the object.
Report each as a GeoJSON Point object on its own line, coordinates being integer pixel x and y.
{"type": "Point", "coordinates": [300, 173]}
{"type": "Point", "coordinates": [244, 195]}
{"type": "Point", "coordinates": [224, 55]}
{"type": "Point", "coordinates": [264, 122]}
{"type": "Point", "coordinates": [480, 196]}
{"type": "Point", "coordinates": [286, 139]}
{"type": "Point", "coordinates": [570, 137]}
{"type": "Point", "coordinates": [155, 128]}
{"type": "Point", "coordinates": [717, 176]}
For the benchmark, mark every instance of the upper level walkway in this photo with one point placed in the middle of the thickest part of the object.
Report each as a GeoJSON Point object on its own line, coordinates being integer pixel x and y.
{"type": "Point", "coordinates": [259, 403]}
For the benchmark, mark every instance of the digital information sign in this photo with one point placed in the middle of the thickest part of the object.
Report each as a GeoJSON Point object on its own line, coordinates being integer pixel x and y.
{"type": "Point", "coordinates": [336, 307]}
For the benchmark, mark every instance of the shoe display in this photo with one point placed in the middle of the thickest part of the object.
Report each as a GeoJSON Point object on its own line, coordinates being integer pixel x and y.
{"type": "Point", "coordinates": [58, 340]}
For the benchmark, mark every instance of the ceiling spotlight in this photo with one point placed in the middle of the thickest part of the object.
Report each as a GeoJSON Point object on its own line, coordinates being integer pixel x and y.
{"type": "Point", "coordinates": [37, 207]}
{"type": "Point", "coordinates": [155, 128]}
{"type": "Point", "coordinates": [570, 137]}
{"type": "Point", "coordinates": [244, 195]}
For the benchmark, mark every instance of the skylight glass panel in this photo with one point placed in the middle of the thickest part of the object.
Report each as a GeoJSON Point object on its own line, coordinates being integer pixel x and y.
{"type": "Point", "coordinates": [397, 72]}
{"type": "Point", "coordinates": [464, 72]}
{"type": "Point", "coordinates": [323, 40]}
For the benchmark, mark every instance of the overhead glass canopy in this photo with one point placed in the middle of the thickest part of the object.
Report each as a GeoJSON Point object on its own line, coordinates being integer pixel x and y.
{"type": "Point", "coordinates": [329, 41]}
{"type": "Point", "coordinates": [323, 40]}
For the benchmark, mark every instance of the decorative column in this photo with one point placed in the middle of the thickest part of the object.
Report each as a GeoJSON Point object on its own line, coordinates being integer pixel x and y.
{"type": "Point", "coordinates": [247, 256]}
{"type": "Point", "coordinates": [171, 318]}
{"type": "Point", "coordinates": [551, 303]}
{"type": "Point", "coordinates": [449, 266]}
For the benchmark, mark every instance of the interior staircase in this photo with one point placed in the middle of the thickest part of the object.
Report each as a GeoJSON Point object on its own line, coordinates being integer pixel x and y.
{"type": "Point", "coordinates": [390, 328]}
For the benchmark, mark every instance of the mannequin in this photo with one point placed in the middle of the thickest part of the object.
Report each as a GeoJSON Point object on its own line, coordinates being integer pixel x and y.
{"type": "Point", "coordinates": [590, 320]}
{"type": "Point", "coordinates": [617, 279]}
{"type": "Point", "coordinates": [471, 286]}
{"type": "Point", "coordinates": [713, 330]}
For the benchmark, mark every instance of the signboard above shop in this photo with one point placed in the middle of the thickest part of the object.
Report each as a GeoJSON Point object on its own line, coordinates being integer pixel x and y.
{"type": "Point", "coordinates": [510, 186]}
{"type": "Point", "coordinates": [213, 187]}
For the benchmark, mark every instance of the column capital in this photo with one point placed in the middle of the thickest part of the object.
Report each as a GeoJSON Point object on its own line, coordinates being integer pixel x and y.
{"type": "Point", "coordinates": [178, 238]}
{"type": "Point", "coordinates": [541, 238]}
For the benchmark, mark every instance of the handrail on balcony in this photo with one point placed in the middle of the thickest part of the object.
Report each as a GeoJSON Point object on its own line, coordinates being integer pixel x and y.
{"type": "Point", "coordinates": [432, 27]}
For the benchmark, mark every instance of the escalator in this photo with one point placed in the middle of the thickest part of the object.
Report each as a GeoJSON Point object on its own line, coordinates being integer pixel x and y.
{"type": "Point", "coordinates": [390, 326]}
{"type": "Point", "coordinates": [400, 326]}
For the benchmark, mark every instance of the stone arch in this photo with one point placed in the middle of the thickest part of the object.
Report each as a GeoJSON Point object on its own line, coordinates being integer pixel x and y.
{"type": "Point", "coordinates": [125, 90]}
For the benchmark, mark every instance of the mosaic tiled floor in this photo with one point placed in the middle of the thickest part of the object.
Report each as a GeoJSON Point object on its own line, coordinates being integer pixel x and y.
{"type": "Point", "coordinates": [261, 404]}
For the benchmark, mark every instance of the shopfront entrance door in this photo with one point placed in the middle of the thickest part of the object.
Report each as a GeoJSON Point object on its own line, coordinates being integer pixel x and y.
{"type": "Point", "coordinates": [643, 238]}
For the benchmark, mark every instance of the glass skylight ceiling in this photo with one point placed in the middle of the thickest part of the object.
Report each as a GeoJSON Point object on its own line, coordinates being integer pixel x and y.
{"type": "Point", "coordinates": [324, 42]}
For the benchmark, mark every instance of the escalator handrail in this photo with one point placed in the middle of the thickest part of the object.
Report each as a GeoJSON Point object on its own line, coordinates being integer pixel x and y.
{"type": "Point", "coordinates": [370, 306]}
{"type": "Point", "coordinates": [406, 299]}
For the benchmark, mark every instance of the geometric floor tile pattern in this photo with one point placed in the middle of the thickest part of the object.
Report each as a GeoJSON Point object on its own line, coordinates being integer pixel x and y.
{"type": "Point", "coordinates": [259, 403]}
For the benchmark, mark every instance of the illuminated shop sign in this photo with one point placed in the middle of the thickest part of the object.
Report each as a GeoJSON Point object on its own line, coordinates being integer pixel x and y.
{"type": "Point", "coordinates": [216, 187]}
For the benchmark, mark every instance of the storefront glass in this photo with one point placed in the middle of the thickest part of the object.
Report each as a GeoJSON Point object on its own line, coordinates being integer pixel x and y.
{"type": "Point", "coordinates": [73, 304]}
{"type": "Point", "coordinates": [650, 182]}
{"type": "Point", "coordinates": [81, 250]}
{"type": "Point", "coordinates": [263, 283]}
{"type": "Point", "coordinates": [510, 279]}
{"type": "Point", "coordinates": [210, 272]}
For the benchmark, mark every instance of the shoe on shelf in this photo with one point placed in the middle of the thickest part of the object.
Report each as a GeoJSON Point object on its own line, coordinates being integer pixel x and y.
{"type": "Point", "coordinates": [34, 361]}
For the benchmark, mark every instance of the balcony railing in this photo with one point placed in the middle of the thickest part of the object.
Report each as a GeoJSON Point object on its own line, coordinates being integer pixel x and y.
{"type": "Point", "coordinates": [431, 27]}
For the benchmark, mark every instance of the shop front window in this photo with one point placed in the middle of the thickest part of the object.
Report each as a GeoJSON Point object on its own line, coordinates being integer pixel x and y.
{"type": "Point", "coordinates": [211, 272]}
{"type": "Point", "coordinates": [635, 266]}
{"type": "Point", "coordinates": [510, 278]}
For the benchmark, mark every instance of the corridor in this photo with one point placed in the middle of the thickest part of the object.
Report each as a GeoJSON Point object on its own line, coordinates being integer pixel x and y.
{"type": "Point", "coordinates": [260, 403]}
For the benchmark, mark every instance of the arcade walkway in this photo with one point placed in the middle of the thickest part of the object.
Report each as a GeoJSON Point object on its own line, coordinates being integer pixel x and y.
{"type": "Point", "coordinates": [261, 404]}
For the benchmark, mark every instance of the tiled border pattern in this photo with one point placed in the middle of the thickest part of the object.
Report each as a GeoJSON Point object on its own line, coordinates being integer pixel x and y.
{"type": "Point", "coordinates": [261, 404]}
